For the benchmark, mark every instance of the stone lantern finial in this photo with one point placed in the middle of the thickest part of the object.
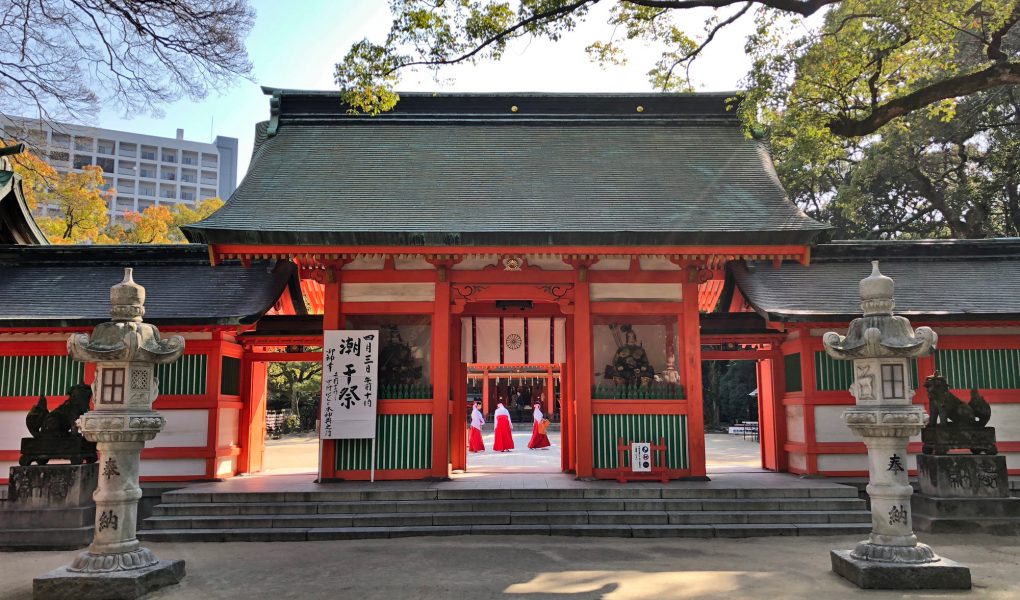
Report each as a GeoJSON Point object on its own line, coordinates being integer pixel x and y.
{"type": "Point", "coordinates": [877, 293]}
{"type": "Point", "coordinates": [127, 299]}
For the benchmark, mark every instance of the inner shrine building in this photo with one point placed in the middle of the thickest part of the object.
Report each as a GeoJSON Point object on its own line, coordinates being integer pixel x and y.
{"type": "Point", "coordinates": [600, 247]}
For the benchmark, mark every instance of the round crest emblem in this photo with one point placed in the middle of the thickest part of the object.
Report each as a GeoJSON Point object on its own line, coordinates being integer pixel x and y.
{"type": "Point", "coordinates": [513, 341]}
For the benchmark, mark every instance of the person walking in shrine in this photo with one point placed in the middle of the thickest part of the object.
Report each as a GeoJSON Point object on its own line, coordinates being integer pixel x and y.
{"type": "Point", "coordinates": [539, 439]}
{"type": "Point", "coordinates": [504, 432]}
{"type": "Point", "coordinates": [475, 443]}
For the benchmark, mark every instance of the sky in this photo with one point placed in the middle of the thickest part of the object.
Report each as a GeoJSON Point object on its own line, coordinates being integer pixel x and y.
{"type": "Point", "coordinates": [296, 43]}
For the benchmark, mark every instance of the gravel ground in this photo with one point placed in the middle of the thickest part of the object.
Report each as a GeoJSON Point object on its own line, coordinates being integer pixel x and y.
{"type": "Point", "coordinates": [478, 567]}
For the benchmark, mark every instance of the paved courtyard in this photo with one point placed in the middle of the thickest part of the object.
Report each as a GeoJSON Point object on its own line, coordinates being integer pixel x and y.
{"type": "Point", "coordinates": [483, 567]}
{"type": "Point", "coordinates": [725, 454]}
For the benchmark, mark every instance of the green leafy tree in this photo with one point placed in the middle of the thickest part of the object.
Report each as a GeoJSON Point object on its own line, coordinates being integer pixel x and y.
{"type": "Point", "coordinates": [861, 99]}
{"type": "Point", "coordinates": [295, 381]}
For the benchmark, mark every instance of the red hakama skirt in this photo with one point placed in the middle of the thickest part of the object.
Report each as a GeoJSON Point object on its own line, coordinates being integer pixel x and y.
{"type": "Point", "coordinates": [504, 437]}
{"type": "Point", "coordinates": [538, 439]}
{"type": "Point", "coordinates": [475, 443]}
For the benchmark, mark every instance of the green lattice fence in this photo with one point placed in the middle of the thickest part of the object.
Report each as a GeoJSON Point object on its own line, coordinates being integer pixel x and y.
{"type": "Point", "coordinates": [402, 442]}
{"type": "Point", "coordinates": [184, 377]}
{"type": "Point", "coordinates": [997, 369]}
{"type": "Point", "coordinates": [49, 376]}
{"type": "Point", "coordinates": [608, 429]}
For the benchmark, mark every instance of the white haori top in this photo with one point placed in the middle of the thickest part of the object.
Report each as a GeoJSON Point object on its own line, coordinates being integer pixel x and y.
{"type": "Point", "coordinates": [477, 420]}
{"type": "Point", "coordinates": [501, 411]}
{"type": "Point", "coordinates": [537, 413]}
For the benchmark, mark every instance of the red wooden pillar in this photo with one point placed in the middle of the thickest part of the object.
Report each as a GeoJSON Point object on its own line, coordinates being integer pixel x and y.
{"type": "Point", "coordinates": [485, 392]}
{"type": "Point", "coordinates": [550, 398]}
{"type": "Point", "coordinates": [331, 319]}
{"type": "Point", "coordinates": [458, 435]}
{"type": "Point", "coordinates": [441, 376]}
{"type": "Point", "coordinates": [691, 351]}
{"type": "Point", "coordinates": [253, 414]}
{"type": "Point", "coordinates": [569, 436]}
{"type": "Point", "coordinates": [582, 373]}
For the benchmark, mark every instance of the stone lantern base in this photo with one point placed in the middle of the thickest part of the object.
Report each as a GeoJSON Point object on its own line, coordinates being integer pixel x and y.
{"type": "Point", "coordinates": [60, 584]}
{"type": "Point", "coordinates": [942, 574]}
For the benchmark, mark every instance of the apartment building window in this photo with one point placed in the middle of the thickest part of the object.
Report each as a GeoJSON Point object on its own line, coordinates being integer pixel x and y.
{"type": "Point", "coordinates": [210, 160]}
{"type": "Point", "coordinates": [105, 147]}
{"type": "Point", "coordinates": [147, 171]}
{"type": "Point", "coordinates": [168, 174]}
{"type": "Point", "coordinates": [83, 143]}
{"type": "Point", "coordinates": [59, 156]}
{"type": "Point", "coordinates": [60, 140]}
{"type": "Point", "coordinates": [169, 156]}
{"type": "Point", "coordinates": [37, 138]}
{"type": "Point", "coordinates": [146, 190]}
{"type": "Point", "coordinates": [126, 185]}
{"type": "Point", "coordinates": [143, 204]}
{"type": "Point", "coordinates": [128, 150]}
{"type": "Point", "coordinates": [81, 161]}
{"type": "Point", "coordinates": [187, 195]}
{"type": "Point", "coordinates": [126, 168]}
{"type": "Point", "coordinates": [207, 193]}
{"type": "Point", "coordinates": [189, 176]}
{"type": "Point", "coordinates": [189, 158]}
{"type": "Point", "coordinates": [105, 163]}
{"type": "Point", "coordinates": [209, 178]}
{"type": "Point", "coordinates": [148, 153]}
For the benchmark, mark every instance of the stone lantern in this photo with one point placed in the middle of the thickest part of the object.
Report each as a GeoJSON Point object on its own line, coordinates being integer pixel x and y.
{"type": "Point", "coordinates": [125, 351]}
{"type": "Point", "coordinates": [880, 345]}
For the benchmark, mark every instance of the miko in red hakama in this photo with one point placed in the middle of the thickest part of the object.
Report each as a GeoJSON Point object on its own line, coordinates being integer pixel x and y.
{"type": "Point", "coordinates": [475, 443]}
{"type": "Point", "coordinates": [504, 434]}
{"type": "Point", "coordinates": [538, 437]}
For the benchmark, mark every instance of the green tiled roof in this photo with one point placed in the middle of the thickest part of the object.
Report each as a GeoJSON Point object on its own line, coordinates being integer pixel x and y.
{"type": "Point", "coordinates": [471, 170]}
{"type": "Point", "coordinates": [957, 280]}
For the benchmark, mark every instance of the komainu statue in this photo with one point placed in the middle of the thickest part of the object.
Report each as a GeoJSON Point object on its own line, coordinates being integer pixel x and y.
{"type": "Point", "coordinates": [54, 433]}
{"type": "Point", "coordinates": [947, 409]}
{"type": "Point", "coordinates": [955, 424]}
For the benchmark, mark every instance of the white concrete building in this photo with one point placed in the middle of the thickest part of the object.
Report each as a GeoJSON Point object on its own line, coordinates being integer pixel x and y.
{"type": "Point", "coordinates": [145, 170]}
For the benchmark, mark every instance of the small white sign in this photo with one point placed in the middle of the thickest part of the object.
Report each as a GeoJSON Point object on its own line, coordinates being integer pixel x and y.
{"type": "Point", "coordinates": [350, 366]}
{"type": "Point", "coordinates": [640, 457]}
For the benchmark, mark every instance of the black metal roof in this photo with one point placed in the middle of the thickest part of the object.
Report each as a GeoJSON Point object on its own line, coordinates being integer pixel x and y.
{"type": "Point", "coordinates": [508, 169]}
{"type": "Point", "coordinates": [17, 226]}
{"type": "Point", "coordinates": [67, 286]}
{"type": "Point", "coordinates": [958, 280]}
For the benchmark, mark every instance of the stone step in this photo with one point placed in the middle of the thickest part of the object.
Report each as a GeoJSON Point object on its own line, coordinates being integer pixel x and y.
{"type": "Point", "coordinates": [551, 518]}
{"type": "Point", "coordinates": [282, 534]}
{"type": "Point", "coordinates": [614, 493]}
{"type": "Point", "coordinates": [522, 505]}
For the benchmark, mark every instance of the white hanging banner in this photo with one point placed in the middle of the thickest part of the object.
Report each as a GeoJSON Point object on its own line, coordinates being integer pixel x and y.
{"type": "Point", "coordinates": [543, 341]}
{"type": "Point", "coordinates": [350, 366]}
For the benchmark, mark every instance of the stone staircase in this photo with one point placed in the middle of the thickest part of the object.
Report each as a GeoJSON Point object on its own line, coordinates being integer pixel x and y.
{"type": "Point", "coordinates": [185, 516]}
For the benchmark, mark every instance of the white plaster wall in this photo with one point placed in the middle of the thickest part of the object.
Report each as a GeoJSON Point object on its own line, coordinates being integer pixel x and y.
{"type": "Point", "coordinates": [1006, 421]}
{"type": "Point", "coordinates": [635, 291]}
{"type": "Point", "coordinates": [12, 429]}
{"type": "Point", "coordinates": [612, 263]}
{"type": "Point", "coordinates": [374, 262]}
{"type": "Point", "coordinates": [228, 427]}
{"type": "Point", "coordinates": [177, 467]}
{"type": "Point", "coordinates": [657, 263]}
{"type": "Point", "coordinates": [388, 292]}
{"type": "Point", "coordinates": [829, 425]}
{"type": "Point", "coordinates": [411, 263]}
{"type": "Point", "coordinates": [184, 428]}
{"type": "Point", "coordinates": [795, 423]}
{"type": "Point", "coordinates": [226, 467]}
{"type": "Point", "coordinates": [548, 263]}
{"type": "Point", "coordinates": [798, 461]}
{"type": "Point", "coordinates": [844, 462]}
{"type": "Point", "coordinates": [476, 263]}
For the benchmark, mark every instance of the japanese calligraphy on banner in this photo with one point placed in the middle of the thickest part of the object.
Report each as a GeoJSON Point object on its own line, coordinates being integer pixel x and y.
{"type": "Point", "coordinates": [350, 366]}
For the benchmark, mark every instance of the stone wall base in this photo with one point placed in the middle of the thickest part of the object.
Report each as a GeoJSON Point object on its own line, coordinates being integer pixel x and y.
{"type": "Point", "coordinates": [60, 584]}
{"type": "Point", "coordinates": [943, 574]}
